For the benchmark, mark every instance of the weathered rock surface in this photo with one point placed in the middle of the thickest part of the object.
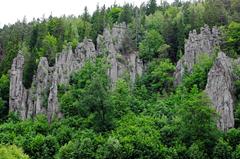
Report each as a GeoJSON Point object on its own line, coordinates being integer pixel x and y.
{"type": "Point", "coordinates": [220, 89]}
{"type": "Point", "coordinates": [111, 43]}
{"type": "Point", "coordinates": [41, 98]}
{"type": "Point", "coordinates": [220, 86]}
{"type": "Point", "coordinates": [18, 94]}
{"type": "Point", "coordinates": [196, 45]}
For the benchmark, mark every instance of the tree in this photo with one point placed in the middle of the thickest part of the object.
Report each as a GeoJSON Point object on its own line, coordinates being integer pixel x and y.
{"type": "Point", "coordinates": [12, 152]}
{"type": "Point", "coordinates": [199, 73]}
{"type": "Point", "coordinates": [196, 151]}
{"type": "Point", "coordinates": [86, 17]}
{"type": "Point", "coordinates": [215, 13]}
{"type": "Point", "coordinates": [197, 120]}
{"type": "Point", "coordinates": [120, 98]}
{"type": "Point", "coordinates": [49, 48]}
{"type": "Point", "coordinates": [30, 66]}
{"type": "Point", "coordinates": [114, 14]}
{"type": "Point", "coordinates": [136, 136]}
{"type": "Point", "coordinates": [4, 96]}
{"type": "Point", "coordinates": [84, 146]}
{"type": "Point", "coordinates": [159, 76]}
{"type": "Point", "coordinates": [222, 150]}
{"type": "Point", "coordinates": [151, 7]}
{"type": "Point", "coordinates": [98, 22]}
{"type": "Point", "coordinates": [41, 147]}
{"type": "Point", "coordinates": [235, 9]}
{"type": "Point", "coordinates": [152, 46]}
{"type": "Point", "coordinates": [87, 95]}
{"type": "Point", "coordinates": [126, 14]}
{"type": "Point", "coordinates": [233, 38]}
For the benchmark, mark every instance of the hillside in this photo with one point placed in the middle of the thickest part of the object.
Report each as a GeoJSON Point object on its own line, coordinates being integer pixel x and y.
{"type": "Point", "coordinates": [155, 81]}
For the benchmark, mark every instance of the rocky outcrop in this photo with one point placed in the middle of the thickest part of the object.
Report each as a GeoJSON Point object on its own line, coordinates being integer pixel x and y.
{"type": "Point", "coordinates": [112, 44]}
{"type": "Point", "coordinates": [220, 86]}
{"type": "Point", "coordinates": [41, 98]}
{"type": "Point", "coordinates": [220, 89]}
{"type": "Point", "coordinates": [18, 94]}
{"type": "Point", "coordinates": [196, 45]}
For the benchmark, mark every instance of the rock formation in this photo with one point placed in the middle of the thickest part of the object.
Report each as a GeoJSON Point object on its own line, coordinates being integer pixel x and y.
{"type": "Point", "coordinates": [41, 98]}
{"type": "Point", "coordinates": [220, 86]}
{"type": "Point", "coordinates": [220, 89]}
{"type": "Point", "coordinates": [18, 94]}
{"type": "Point", "coordinates": [111, 43]}
{"type": "Point", "coordinates": [196, 45]}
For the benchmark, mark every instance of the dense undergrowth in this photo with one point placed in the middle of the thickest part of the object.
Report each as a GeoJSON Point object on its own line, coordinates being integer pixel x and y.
{"type": "Point", "coordinates": [148, 119]}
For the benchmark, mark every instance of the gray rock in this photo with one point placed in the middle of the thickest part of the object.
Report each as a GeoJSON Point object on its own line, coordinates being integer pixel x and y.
{"type": "Point", "coordinates": [220, 89]}
{"type": "Point", "coordinates": [196, 45]}
{"type": "Point", "coordinates": [18, 94]}
{"type": "Point", "coordinates": [112, 43]}
{"type": "Point", "coordinates": [42, 97]}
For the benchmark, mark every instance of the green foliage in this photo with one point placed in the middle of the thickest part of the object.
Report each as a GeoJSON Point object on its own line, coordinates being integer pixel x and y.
{"type": "Point", "coordinates": [196, 151]}
{"type": "Point", "coordinates": [12, 152]}
{"type": "Point", "coordinates": [88, 94]}
{"type": "Point", "coordinates": [84, 146]}
{"type": "Point", "coordinates": [236, 153]}
{"type": "Point", "coordinates": [197, 120]}
{"type": "Point", "coordinates": [4, 96]}
{"type": "Point", "coordinates": [152, 46]}
{"type": "Point", "coordinates": [120, 98]}
{"type": "Point", "coordinates": [222, 150]}
{"type": "Point", "coordinates": [126, 14]}
{"type": "Point", "coordinates": [199, 73]}
{"type": "Point", "coordinates": [159, 76]}
{"type": "Point", "coordinates": [215, 13]}
{"type": "Point", "coordinates": [148, 119]}
{"type": "Point", "coordinates": [41, 147]}
{"type": "Point", "coordinates": [49, 48]}
{"type": "Point", "coordinates": [137, 137]}
{"type": "Point", "coordinates": [114, 14]}
{"type": "Point", "coordinates": [151, 7]}
{"type": "Point", "coordinates": [233, 137]}
{"type": "Point", "coordinates": [233, 38]}
{"type": "Point", "coordinates": [29, 66]}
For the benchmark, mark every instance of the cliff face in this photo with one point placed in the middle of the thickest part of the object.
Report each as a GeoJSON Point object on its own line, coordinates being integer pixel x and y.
{"type": "Point", "coordinates": [112, 44]}
{"type": "Point", "coordinates": [196, 45]}
{"type": "Point", "coordinates": [220, 86]}
{"type": "Point", "coordinates": [41, 98]}
{"type": "Point", "coordinates": [220, 89]}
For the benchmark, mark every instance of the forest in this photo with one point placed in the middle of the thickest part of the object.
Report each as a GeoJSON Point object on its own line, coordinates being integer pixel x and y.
{"type": "Point", "coordinates": [150, 118]}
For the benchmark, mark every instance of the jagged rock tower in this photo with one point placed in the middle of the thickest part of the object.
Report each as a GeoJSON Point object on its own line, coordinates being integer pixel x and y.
{"type": "Point", "coordinates": [220, 86]}
{"type": "Point", "coordinates": [196, 45]}
{"type": "Point", "coordinates": [41, 98]}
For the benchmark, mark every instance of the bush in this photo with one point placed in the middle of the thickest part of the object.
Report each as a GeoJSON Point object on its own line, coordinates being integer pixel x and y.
{"type": "Point", "coordinates": [136, 137]}
{"type": "Point", "coordinates": [222, 150]}
{"type": "Point", "coordinates": [152, 46]}
{"type": "Point", "coordinates": [40, 147]}
{"type": "Point", "coordinates": [198, 76]}
{"type": "Point", "coordinates": [159, 76]}
{"type": "Point", "coordinates": [84, 145]}
{"type": "Point", "coordinates": [11, 152]}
